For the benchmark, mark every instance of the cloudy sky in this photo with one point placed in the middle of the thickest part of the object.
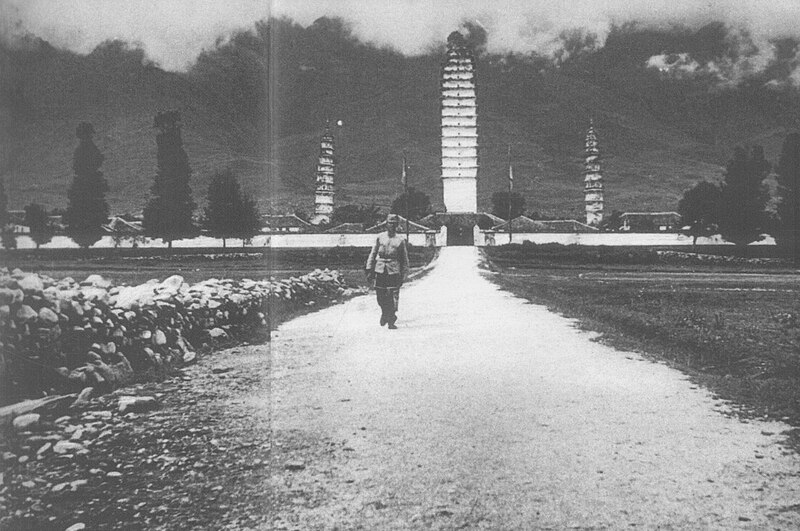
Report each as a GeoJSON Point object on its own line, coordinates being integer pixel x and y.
{"type": "Point", "coordinates": [173, 32]}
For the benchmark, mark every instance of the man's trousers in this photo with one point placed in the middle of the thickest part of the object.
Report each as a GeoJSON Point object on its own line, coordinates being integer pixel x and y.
{"type": "Point", "coordinates": [387, 288]}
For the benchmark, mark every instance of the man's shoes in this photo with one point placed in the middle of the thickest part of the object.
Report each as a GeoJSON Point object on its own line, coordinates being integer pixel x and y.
{"type": "Point", "coordinates": [383, 320]}
{"type": "Point", "coordinates": [392, 326]}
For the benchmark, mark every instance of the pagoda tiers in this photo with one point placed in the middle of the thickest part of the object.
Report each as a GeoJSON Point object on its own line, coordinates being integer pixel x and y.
{"type": "Point", "coordinates": [593, 180]}
{"type": "Point", "coordinates": [459, 128]}
{"type": "Point", "coordinates": [323, 202]}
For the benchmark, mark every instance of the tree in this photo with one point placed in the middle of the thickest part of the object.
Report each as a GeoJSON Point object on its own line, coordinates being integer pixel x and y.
{"type": "Point", "coordinates": [38, 222]}
{"type": "Point", "coordinates": [507, 205]}
{"type": "Point", "coordinates": [8, 237]}
{"type": "Point", "coordinates": [366, 215]}
{"type": "Point", "coordinates": [787, 234]}
{"type": "Point", "coordinates": [230, 214]}
{"type": "Point", "coordinates": [251, 220]}
{"type": "Point", "coordinates": [419, 204]}
{"type": "Point", "coordinates": [743, 197]}
{"type": "Point", "coordinates": [3, 205]}
{"type": "Point", "coordinates": [641, 223]}
{"type": "Point", "coordinates": [699, 210]}
{"type": "Point", "coordinates": [87, 210]}
{"type": "Point", "coordinates": [613, 222]}
{"type": "Point", "coordinates": [168, 214]}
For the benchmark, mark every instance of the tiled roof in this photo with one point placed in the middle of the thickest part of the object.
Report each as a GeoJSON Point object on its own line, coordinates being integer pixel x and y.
{"type": "Point", "coordinates": [401, 227]}
{"type": "Point", "coordinates": [526, 224]}
{"type": "Point", "coordinates": [285, 221]}
{"type": "Point", "coordinates": [347, 228]}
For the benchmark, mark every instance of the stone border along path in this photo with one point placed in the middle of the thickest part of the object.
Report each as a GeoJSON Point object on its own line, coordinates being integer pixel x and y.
{"type": "Point", "coordinates": [483, 411]}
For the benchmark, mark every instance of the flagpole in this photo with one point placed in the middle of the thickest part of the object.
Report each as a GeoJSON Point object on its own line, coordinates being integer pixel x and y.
{"type": "Point", "coordinates": [405, 191]}
{"type": "Point", "coordinates": [510, 190]}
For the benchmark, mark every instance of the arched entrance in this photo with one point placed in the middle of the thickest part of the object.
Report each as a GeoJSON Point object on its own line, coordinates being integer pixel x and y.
{"type": "Point", "coordinates": [459, 234]}
{"type": "Point", "coordinates": [460, 226]}
{"type": "Point", "coordinates": [460, 229]}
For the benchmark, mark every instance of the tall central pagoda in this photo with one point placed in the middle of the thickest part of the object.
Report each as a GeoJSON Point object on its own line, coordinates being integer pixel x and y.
{"type": "Point", "coordinates": [459, 128]}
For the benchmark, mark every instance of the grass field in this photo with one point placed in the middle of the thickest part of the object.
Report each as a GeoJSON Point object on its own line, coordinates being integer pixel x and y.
{"type": "Point", "coordinates": [194, 267]}
{"type": "Point", "coordinates": [733, 328]}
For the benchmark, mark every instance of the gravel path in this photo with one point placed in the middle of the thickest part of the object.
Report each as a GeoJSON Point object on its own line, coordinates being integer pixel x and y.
{"type": "Point", "coordinates": [485, 412]}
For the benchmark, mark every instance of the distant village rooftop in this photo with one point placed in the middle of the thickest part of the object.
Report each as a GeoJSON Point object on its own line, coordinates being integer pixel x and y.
{"type": "Point", "coordinates": [526, 224]}
{"type": "Point", "coordinates": [401, 227]}
{"type": "Point", "coordinates": [285, 223]}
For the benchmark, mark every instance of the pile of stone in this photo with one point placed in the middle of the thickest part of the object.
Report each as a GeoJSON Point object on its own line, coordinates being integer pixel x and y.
{"type": "Point", "coordinates": [61, 336]}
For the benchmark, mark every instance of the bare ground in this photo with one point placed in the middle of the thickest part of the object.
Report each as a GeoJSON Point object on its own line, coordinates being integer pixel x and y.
{"type": "Point", "coordinates": [484, 411]}
{"type": "Point", "coordinates": [481, 412]}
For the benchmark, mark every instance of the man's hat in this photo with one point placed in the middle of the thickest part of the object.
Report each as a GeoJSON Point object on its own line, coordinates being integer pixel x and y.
{"type": "Point", "coordinates": [392, 218]}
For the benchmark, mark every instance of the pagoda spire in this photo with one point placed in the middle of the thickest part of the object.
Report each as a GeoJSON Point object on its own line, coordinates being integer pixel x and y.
{"type": "Point", "coordinates": [326, 170]}
{"type": "Point", "coordinates": [592, 179]}
{"type": "Point", "coordinates": [459, 128]}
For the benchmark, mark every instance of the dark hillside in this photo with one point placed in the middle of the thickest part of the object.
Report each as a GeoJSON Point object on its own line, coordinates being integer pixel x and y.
{"type": "Point", "coordinates": [659, 130]}
{"type": "Point", "coordinates": [659, 133]}
{"type": "Point", "coordinates": [48, 92]}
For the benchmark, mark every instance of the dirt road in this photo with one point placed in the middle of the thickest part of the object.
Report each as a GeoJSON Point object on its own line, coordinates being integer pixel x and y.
{"type": "Point", "coordinates": [484, 412]}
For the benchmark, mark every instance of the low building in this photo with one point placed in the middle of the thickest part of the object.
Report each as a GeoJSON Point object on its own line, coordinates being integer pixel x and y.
{"type": "Point", "coordinates": [16, 217]}
{"type": "Point", "coordinates": [649, 222]}
{"type": "Point", "coordinates": [401, 227]}
{"type": "Point", "coordinates": [122, 227]}
{"type": "Point", "coordinates": [56, 222]}
{"type": "Point", "coordinates": [347, 228]}
{"type": "Point", "coordinates": [17, 228]}
{"type": "Point", "coordinates": [285, 224]}
{"type": "Point", "coordinates": [527, 225]}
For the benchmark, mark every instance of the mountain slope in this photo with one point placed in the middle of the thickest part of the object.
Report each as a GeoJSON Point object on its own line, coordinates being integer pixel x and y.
{"type": "Point", "coordinates": [658, 134]}
{"type": "Point", "coordinates": [52, 91]}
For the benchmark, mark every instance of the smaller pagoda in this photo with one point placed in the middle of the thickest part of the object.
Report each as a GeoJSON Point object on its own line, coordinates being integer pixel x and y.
{"type": "Point", "coordinates": [326, 170]}
{"type": "Point", "coordinates": [593, 180]}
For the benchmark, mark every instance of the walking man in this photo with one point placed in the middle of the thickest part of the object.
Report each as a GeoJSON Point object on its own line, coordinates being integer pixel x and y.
{"type": "Point", "coordinates": [387, 266]}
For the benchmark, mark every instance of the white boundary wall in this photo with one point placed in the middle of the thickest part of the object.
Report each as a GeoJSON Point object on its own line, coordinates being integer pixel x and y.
{"type": "Point", "coordinates": [282, 241]}
{"type": "Point", "coordinates": [489, 238]}
{"type": "Point", "coordinates": [430, 239]}
{"type": "Point", "coordinates": [276, 241]}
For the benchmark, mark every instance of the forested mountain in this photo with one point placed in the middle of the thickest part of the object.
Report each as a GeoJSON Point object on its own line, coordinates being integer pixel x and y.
{"type": "Point", "coordinates": [668, 106]}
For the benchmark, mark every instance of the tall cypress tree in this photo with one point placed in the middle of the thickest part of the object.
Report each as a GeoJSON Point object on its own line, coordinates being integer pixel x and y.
{"type": "Point", "coordinates": [743, 198]}
{"type": "Point", "coordinates": [230, 214]}
{"type": "Point", "coordinates": [168, 214]}
{"type": "Point", "coordinates": [87, 210]}
{"type": "Point", "coordinates": [37, 220]}
{"type": "Point", "coordinates": [699, 210]}
{"type": "Point", "coordinates": [7, 237]}
{"type": "Point", "coordinates": [788, 233]}
{"type": "Point", "coordinates": [3, 205]}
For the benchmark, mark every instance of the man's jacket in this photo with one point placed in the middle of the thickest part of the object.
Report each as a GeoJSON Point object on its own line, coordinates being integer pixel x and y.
{"type": "Point", "coordinates": [389, 255]}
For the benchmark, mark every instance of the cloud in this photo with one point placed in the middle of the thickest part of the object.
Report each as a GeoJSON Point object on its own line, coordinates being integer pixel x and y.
{"type": "Point", "coordinates": [173, 32]}
{"type": "Point", "coordinates": [534, 25]}
{"type": "Point", "coordinates": [677, 65]}
{"type": "Point", "coordinates": [746, 57]}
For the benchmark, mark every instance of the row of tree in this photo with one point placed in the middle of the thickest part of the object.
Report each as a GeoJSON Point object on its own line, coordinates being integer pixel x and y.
{"type": "Point", "coordinates": [169, 213]}
{"type": "Point", "coordinates": [736, 209]}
